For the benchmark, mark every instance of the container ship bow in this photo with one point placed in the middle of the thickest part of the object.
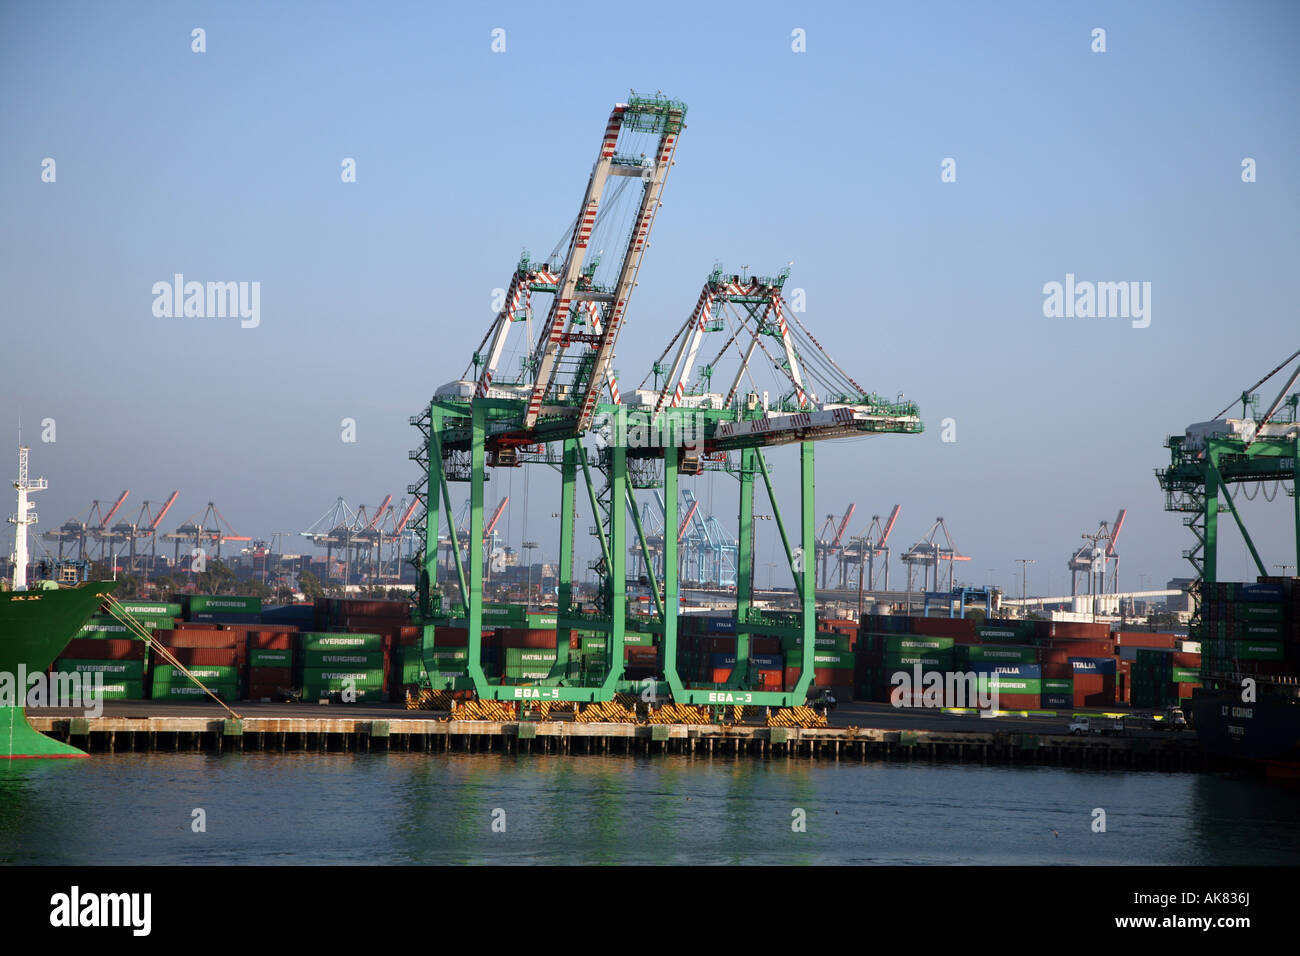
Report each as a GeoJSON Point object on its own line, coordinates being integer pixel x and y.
{"type": "Point", "coordinates": [35, 626]}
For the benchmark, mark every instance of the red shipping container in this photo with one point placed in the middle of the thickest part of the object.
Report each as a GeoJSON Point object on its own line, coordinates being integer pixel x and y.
{"type": "Point", "coordinates": [1071, 630]}
{"type": "Point", "coordinates": [523, 637]}
{"type": "Point", "coordinates": [1184, 659]}
{"type": "Point", "coordinates": [93, 649]}
{"type": "Point", "coordinates": [1143, 639]}
{"type": "Point", "coordinates": [1057, 670]}
{"type": "Point", "coordinates": [451, 637]}
{"type": "Point", "coordinates": [1018, 702]}
{"type": "Point", "coordinates": [270, 675]}
{"type": "Point", "coordinates": [963, 629]}
{"type": "Point", "coordinates": [205, 638]}
{"type": "Point", "coordinates": [720, 675]}
{"type": "Point", "coordinates": [199, 656]}
{"type": "Point", "coordinates": [270, 641]}
{"type": "Point", "coordinates": [826, 676]}
{"type": "Point", "coordinates": [765, 645]}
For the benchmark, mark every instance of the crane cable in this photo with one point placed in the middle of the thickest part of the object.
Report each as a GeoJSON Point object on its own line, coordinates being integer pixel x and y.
{"type": "Point", "coordinates": [136, 629]}
{"type": "Point", "coordinates": [1258, 384]}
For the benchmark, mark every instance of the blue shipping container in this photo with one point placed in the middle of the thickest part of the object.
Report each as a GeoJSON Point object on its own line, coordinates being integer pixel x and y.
{"type": "Point", "coordinates": [1093, 665]}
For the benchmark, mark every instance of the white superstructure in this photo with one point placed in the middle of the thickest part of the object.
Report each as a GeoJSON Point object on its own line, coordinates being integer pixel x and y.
{"type": "Point", "coordinates": [26, 516]}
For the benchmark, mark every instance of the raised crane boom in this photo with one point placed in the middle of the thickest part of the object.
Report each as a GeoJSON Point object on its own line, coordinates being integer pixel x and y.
{"type": "Point", "coordinates": [112, 511]}
{"type": "Point", "coordinates": [153, 525]}
{"type": "Point", "coordinates": [844, 523]}
{"type": "Point", "coordinates": [496, 516]}
{"type": "Point", "coordinates": [649, 114]}
{"type": "Point", "coordinates": [889, 526]}
{"type": "Point", "coordinates": [1114, 532]}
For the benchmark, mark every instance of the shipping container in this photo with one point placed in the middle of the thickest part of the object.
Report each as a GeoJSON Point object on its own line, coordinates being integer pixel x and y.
{"type": "Point", "coordinates": [105, 650]}
{"type": "Point", "coordinates": [111, 669]}
{"type": "Point", "coordinates": [337, 642]}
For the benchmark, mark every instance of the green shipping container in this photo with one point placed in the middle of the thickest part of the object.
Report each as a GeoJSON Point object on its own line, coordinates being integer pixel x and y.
{"type": "Point", "coordinates": [1058, 685]}
{"type": "Point", "coordinates": [516, 656]}
{"type": "Point", "coordinates": [1260, 612]}
{"type": "Point", "coordinates": [316, 641]}
{"type": "Point", "coordinates": [107, 628]}
{"type": "Point", "coordinates": [208, 673]}
{"type": "Point", "coordinates": [112, 670]}
{"type": "Point", "coordinates": [1260, 650]}
{"type": "Point", "coordinates": [338, 676]}
{"type": "Point", "coordinates": [504, 615]}
{"type": "Point", "coordinates": [122, 690]}
{"type": "Point", "coordinates": [1253, 631]}
{"type": "Point", "coordinates": [1187, 675]}
{"type": "Point", "coordinates": [265, 658]}
{"type": "Point", "coordinates": [907, 643]}
{"type": "Point", "coordinates": [931, 661]}
{"type": "Point", "coordinates": [1008, 633]}
{"type": "Point", "coordinates": [151, 609]}
{"type": "Point", "coordinates": [1002, 654]}
{"type": "Point", "coordinates": [637, 640]}
{"type": "Point", "coordinates": [225, 604]}
{"type": "Point", "coordinates": [832, 660]}
{"type": "Point", "coordinates": [188, 691]}
{"type": "Point", "coordinates": [351, 660]}
{"type": "Point", "coordinates": [1005, 684]}
{"type": "Point", "coordinates": [542, 621]}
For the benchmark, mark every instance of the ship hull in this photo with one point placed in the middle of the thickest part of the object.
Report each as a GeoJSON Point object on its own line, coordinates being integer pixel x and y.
{"type": "Point", "coordinates": [35, 627]}
{"type": "Point", "coordinates": [1265, 732]}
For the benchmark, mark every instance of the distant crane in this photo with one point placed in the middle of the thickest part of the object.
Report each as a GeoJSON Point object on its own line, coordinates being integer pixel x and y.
{"type": "Point", "coordinates": [210, 529]}
{"type": "Point", "coordinates": [832, 547]}
{"type": "Point", "coordinates": [928, 553]}
{"type": "Point", "coordinates": [1094, 558]}
{"type": "Point", "coordinates": [874, 544]}
{"type": "Point", "coordinates": [86, 534]}
{"type": "Point", "coordinates": [143, 529]}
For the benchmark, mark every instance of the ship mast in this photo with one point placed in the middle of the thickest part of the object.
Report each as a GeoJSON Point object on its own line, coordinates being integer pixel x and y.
{"type": "Point", "coordinates": [26, 516]}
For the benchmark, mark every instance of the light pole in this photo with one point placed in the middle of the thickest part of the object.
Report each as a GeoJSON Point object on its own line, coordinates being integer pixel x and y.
{"type": "Point", "coordinates": [1024, 575]}
{"type": "Point", "coordinates": [1283, 568]}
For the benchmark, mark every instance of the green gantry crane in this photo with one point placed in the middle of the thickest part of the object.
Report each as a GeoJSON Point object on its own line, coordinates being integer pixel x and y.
{"type": "Point", "coordinates": [1211, 457]}
{"type": "Point", "coordinates": [551, 413]}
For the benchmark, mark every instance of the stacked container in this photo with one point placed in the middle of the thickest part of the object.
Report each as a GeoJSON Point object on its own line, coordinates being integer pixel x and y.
{"type": "Point", "coordinates": [341, 666]}
{"type": "Point", "coordinates": [121, 661]}
{"type": "Point", "coordinates": [1251, 628]}
{"type": "Point", "coordinates": [223, 608]}
{"type": "Point", "coordinates": [212, 655]}
{"type": "Point", "coordinates": [270, 663]}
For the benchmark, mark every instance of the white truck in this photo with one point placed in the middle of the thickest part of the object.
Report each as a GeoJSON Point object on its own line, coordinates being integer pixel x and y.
{"type": "Point", "coordinates": [1086, 725]}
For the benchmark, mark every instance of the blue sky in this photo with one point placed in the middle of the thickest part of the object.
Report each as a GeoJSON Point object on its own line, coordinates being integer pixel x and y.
{"type": "Point", "coordinates": [225, 166]}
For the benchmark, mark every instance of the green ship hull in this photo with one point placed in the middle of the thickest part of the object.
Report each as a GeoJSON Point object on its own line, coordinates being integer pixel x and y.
{"type": "Point", "coordinates": [35, 626]}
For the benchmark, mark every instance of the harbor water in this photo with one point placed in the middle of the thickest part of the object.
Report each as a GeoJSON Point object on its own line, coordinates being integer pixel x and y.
{"type": "Point", "coordinates": [502, 809]}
